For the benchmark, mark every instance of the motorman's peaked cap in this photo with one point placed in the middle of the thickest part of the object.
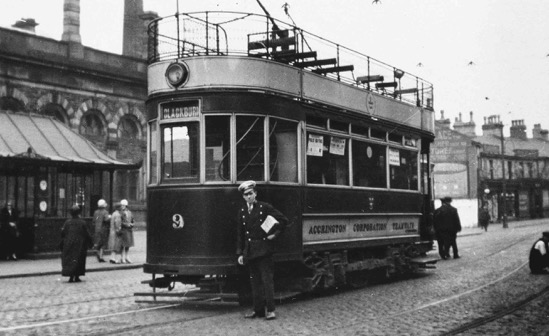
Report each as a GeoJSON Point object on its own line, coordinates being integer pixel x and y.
{"type": "Point", "coordinates": [246, 185]}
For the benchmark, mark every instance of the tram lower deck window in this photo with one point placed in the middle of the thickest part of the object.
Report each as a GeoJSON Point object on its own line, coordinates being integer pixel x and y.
{"type": "Point", "coordinates": [369, 165]}
{"type": "Point", "coordinates": [180, 152]}
{"type": "Point", "coordinates": [327, 160]}
{"type": "Point", "coordinates": [403, 169]}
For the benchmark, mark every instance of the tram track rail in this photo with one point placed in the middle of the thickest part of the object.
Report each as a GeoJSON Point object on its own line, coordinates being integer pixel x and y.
{"type": "Point", "coordinates": [500, 314]}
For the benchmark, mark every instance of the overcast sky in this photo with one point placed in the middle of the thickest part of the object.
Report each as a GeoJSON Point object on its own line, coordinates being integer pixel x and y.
{"type": "Point", "coordinates": [507, 41]}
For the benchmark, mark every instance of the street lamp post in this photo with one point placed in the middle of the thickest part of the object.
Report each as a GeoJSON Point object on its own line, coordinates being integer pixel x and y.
{"type": "Point", "coordinates": [503, 181]}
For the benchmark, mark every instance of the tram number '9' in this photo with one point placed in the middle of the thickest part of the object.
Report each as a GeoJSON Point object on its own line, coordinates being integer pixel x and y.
{"type": "Point", "coordinates": [177, 221]}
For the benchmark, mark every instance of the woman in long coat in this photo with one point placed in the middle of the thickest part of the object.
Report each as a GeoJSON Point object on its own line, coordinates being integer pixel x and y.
{"type": "Point", "coordinates": [114, 240]}
{"type": "Point", "coordinates": [75, 241]}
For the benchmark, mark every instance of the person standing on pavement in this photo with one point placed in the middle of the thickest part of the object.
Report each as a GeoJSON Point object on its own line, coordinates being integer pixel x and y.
{"type": "Point", "coordinates": [447, 225]}
{"type": "Point", "coordinates": [114, 239]}
{"type": "Point", "coordinates": [539, 256]}
{"type": "Point", "coordinates": [75, 241]}
{"type": "Point", "coordinates": [9, 231]}
{"type": "Point", "coordinates": [484, 217]}
{"type": "Point", "coordinates": [256, 232]}
{"type": "Point", "coordinates": [102, 223]}
{"type": "Point", "coordinates": [126, 231]}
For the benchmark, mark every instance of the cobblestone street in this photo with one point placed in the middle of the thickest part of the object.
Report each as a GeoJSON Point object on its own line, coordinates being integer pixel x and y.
{"type": "Point", "coordinates": [491, 276]}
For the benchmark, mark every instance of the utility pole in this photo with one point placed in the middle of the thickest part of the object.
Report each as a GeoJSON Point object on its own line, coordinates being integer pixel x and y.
{"type": "Point", "coordinates": [504, 180]}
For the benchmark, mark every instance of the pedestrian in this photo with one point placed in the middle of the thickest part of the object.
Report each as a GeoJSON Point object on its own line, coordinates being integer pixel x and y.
{"type": "Point", "coordinates": [126, 231]}
{"type": "Point", "coordinates": [447, 225]}
{"type": "Point", "coordinates": [539, 258]}
{"type": "Point", "coordinates": [259, 225]}
{"type": "Point", "coordinates": [114, 231]}
{"type": "Point", "coordinates": [75, 241]}
{"type": "Point", "coordinates": [102, 223]}
{"type": "Point", "coordinates": [9, 231]}
{"type": "Point", "coordinates": [484, 217]}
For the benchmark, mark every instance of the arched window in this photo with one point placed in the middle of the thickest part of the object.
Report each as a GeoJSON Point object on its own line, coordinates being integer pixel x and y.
{"type": "Point", "coordinates": [55, 111]}
{"type": "Point", "coordinates": [128, 128]}
{"type": "Point", "coordinates": [92, 125]}
{"type": "Point", "coordinates": [11, 104]}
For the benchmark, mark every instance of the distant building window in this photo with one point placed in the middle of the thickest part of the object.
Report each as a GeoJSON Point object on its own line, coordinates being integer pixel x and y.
{"type": "Point", "coordinates": [128, 129]}
{"type": "Point", "coordinates": [91, 125]}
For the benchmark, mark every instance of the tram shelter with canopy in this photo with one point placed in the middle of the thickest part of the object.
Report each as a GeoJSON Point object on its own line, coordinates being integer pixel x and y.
{"type": "Point", "coordinates": [45, 168]}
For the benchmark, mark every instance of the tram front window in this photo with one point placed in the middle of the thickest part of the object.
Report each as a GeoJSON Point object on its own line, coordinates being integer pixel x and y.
{"type": "Point", "coordinates": [180, 152]}
{"type": "Point", "coordinates": [218, 148]}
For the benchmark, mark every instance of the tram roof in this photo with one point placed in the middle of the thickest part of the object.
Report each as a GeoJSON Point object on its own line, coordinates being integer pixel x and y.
{"type": "Point", "coordinates": [32, 136]}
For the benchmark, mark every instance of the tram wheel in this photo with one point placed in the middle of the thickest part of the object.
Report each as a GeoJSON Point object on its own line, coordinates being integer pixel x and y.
{"type": "Point", "coordinates": [358, 279]}
{"type": "Point", "coordinates": [321, 274]}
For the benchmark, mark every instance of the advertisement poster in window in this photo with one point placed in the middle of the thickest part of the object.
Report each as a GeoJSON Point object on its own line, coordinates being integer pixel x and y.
{"type": "Point", "coordinates": [394, 157]}
{"type": "Point", "coordinates": [337, 146]}
{"type": "Point", "coordinates": [315, 145]}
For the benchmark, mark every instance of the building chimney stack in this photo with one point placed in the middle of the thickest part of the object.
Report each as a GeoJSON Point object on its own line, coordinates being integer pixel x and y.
{"type": "Point", "coordinates": [71, 21]}
{"type": "Point", "coordinates": [467, 128]}
{"type": "Point", "coordinates": [445, 123]}
{"type": "Point", "coordinates": [134, 35]}
{"type": "Point", "coordinates": [492, 126]}
{"type": "Point", "coordinates": [518, 129]}
{"type": "Point", "coordinates": [71, 28]}
{"type": "Point", "coordinates": [538, 133]}
{"type": "Point", "coordinates": [26, 24]}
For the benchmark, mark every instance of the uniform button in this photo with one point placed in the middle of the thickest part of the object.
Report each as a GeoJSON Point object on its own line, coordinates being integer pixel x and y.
{"type": "Point", "coordinates": [249, 239]}
{"type": "Point", "coordinates": [247, 232]}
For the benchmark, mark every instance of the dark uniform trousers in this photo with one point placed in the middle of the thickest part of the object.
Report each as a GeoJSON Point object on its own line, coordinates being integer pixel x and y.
{"type": "Point", "coordinates": [261, 279]}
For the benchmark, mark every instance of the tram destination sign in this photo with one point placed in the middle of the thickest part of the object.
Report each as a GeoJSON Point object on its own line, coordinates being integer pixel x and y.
{"type": "Point", "coordinates": [180, 110]}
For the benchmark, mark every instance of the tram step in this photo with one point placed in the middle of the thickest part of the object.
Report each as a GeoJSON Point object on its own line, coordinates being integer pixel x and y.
{"type": "Point", "coordinates": [426, 262]}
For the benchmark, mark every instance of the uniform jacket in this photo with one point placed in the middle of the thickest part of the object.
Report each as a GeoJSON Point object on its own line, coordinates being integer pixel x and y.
{"type": "Point", "coordinates": [447, 219]}
{"type": "Point", "coordinates": [252, 240]}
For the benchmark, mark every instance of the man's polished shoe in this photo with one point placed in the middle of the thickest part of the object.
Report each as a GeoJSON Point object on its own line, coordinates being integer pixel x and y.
{"type": "Point", "coordinates": [252, 315]}
{"type": "Point", "coordinates": [270, 316]}
{"type": "Point", "coordinates": [457, 257]}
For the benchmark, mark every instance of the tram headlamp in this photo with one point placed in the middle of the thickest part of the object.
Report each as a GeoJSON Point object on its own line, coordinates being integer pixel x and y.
{"type": "Point", "coordinates": [177, 74]}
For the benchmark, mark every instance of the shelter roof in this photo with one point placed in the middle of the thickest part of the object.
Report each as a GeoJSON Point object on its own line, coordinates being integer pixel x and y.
{"type": "Point", "coordinates": [32, 136]}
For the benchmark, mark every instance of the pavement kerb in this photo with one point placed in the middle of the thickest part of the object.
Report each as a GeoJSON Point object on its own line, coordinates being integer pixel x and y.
{"type": "Point", "coordinates": [88, 270]}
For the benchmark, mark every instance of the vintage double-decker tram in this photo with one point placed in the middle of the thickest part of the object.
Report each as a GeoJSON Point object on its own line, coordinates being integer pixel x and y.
{"type": "Point", "coordinates": [340, 145]}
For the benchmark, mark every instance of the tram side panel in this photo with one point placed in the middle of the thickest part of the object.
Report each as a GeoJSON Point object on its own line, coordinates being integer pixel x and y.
{"type": "Point", "coordinates": [345, 219]}
{"type": "Point", "coordinates": [192, 231]}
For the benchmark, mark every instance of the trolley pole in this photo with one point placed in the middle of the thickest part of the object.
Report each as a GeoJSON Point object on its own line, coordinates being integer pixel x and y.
{"type": "Point", "coordinates": [503, 181]}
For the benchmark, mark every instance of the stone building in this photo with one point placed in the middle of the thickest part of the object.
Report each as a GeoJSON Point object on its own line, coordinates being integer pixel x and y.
{"type": "Point", "coordinates": [492, 169]}
{"type": "Point", "coordinates": [99, 95]}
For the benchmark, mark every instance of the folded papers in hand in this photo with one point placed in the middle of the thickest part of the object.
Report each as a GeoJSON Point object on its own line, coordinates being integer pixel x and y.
{"type": "Point", "coordinates": [268, 224]}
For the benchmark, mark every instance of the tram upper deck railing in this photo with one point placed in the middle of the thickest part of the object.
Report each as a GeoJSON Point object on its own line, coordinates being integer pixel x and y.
{"type": "Point", "coordinates": [231, 33]}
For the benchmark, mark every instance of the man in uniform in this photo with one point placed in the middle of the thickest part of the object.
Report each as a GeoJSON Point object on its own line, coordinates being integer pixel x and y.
{"type": "Point", "coordinates": [447, 225]}
{"type": "Point", "coordinates": [259, 224]}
